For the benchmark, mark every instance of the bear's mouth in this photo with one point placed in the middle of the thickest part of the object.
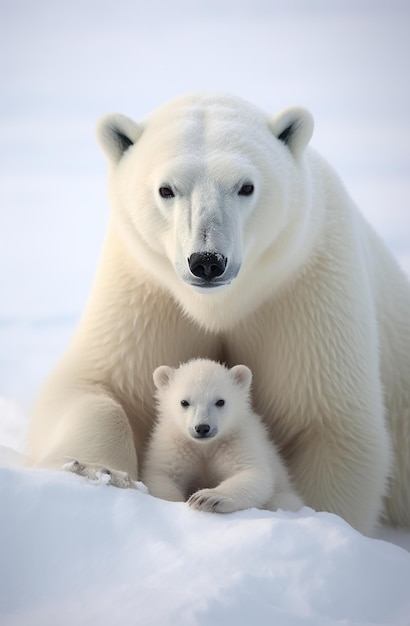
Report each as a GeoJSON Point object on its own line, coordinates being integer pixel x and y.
{"type": "Point", "coordinates": [203, 431]}
{"type": "Point", "coordinates": [209, 270]}
{"type": "Point", "coordinates": [206, 283]}
{"type": "Point", "coordinates": [207, 286]}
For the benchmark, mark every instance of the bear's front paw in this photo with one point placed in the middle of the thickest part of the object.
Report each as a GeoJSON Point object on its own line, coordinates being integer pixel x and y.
{"type": "Point", "coordinates": [212, 501]}
{"type": "Point", "coordinates": [101, 474]}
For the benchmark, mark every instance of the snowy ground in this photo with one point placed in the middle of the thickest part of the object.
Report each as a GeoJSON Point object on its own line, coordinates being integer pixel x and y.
{"type": "Point", "coordinates": [74, 552]}
{"type": "Point", "coordinates": [101, 555]}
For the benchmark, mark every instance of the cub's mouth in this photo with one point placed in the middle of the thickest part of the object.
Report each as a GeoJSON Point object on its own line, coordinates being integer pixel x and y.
{"type": "Point", "coordinates": [203, 431]}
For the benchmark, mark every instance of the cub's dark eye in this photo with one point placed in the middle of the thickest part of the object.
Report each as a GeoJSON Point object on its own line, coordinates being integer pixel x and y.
{"type": "Point", "coordinates": [166, 192]}
{"type": "Point", "coordinates": [220, 402]}
{"type": "Point", "coordinates": [246, 190]}
{"type": "Point", "coordinates": [184, 403]}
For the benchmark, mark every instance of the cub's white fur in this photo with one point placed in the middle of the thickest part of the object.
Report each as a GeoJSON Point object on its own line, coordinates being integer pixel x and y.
{"type": "Point", "coordinates": [231, 239]}
{"type": "Point", "coordinates": [208, 446]}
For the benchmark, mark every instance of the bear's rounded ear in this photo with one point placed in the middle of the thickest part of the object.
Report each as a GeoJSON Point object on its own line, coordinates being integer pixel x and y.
{"type": "Point", "coordinates": [162, 375]}
{"type": "Point", "coordinates": [293, 126]}
{"type": "Point", "coordinates": [242, 375]}
{"type": "Point", "coordinates": [115, 134]}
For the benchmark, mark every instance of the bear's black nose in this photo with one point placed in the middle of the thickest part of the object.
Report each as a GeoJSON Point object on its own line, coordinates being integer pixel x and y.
{"type": "Point", "coordinates": [207, 265]}
{"type": "Point", "coordinates": [202, 430]}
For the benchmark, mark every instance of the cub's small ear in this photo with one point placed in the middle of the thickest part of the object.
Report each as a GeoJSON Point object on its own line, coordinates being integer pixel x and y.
{"type": "Point", "coordinates": [115, 134]}
{"type": "Point", "coordinates": [242, 375]}
{"type": "Point", "coordinates": [162, 375]}
{"type": "Point", "coordinates": [293, 126]}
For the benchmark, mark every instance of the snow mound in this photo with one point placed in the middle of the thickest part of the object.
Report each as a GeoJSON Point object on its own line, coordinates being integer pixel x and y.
{"type": "Point", "coordinates": [75, 552]}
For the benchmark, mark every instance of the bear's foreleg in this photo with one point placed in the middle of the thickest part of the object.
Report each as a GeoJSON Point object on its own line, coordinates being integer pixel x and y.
{"type": "Point", "coordinates": [246, 489]}
{"type": "Point", "coordinates": [345, 472]}
{"type": "Point", "coordinates": [92, 435]}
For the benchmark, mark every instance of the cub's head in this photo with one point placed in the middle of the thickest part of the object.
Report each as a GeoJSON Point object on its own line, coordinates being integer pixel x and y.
{"type": "Point", "coordinates": [204, 193]}
{"type": "Point", "coordinates": [204, 399]}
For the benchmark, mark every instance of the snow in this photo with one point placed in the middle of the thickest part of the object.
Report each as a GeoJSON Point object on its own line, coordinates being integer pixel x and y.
{"type": "Point", "coordinates": [87, 554]}
{"type": "Point", "coordinates": [72, 551]}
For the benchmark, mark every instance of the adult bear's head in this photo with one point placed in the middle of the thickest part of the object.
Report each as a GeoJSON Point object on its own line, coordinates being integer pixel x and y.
{"type": "Point", "coordinates": [205, 190]}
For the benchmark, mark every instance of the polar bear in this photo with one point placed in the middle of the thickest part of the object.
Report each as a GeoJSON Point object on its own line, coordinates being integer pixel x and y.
{"type": "Point", "coordinates": [208, 447]}
{"type": "Point", "coordinates": [231, 239]}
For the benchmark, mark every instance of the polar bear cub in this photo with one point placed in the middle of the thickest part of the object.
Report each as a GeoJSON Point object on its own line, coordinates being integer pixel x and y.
{"type": "Point", "coordinates": [208, 447]}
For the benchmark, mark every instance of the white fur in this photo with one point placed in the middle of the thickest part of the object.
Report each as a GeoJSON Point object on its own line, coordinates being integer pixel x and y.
{"type": "Point", "coordinates": [310, 300]}
{"type": "Point", "coordinates": [235, 466]}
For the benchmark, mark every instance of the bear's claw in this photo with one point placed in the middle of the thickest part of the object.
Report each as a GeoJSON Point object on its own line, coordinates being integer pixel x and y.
{"type": "Point", "coordinates": [101, 474]}
{"type": "Point", "coordinates": [208, 500]}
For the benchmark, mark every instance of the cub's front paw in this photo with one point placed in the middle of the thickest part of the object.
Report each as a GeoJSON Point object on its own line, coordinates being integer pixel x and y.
{"type": "Point", "coordinates": [101, 474]}
{"type": "Point", "coordinates": [212, 501]}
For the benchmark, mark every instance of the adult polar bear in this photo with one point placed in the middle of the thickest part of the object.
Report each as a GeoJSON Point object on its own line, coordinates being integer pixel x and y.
{"type": "Point", "coordinates": [230, 239]}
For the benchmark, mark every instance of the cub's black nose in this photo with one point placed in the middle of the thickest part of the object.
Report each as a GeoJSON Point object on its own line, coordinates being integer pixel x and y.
{"type": "Point", "coordinates": [207, 265]}
{"type": "Point", "coordinates": [202, 430]}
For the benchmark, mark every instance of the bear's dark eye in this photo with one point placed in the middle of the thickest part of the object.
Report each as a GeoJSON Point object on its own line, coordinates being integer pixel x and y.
{"type": "Point", "coordinates": [184, 403]}
{"type": "Point", "coordinates": [166, 192]}
{"type": "Point", "coordinates": [220, 402]}
{"type": "Point", "coordinates": [246, 190]}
